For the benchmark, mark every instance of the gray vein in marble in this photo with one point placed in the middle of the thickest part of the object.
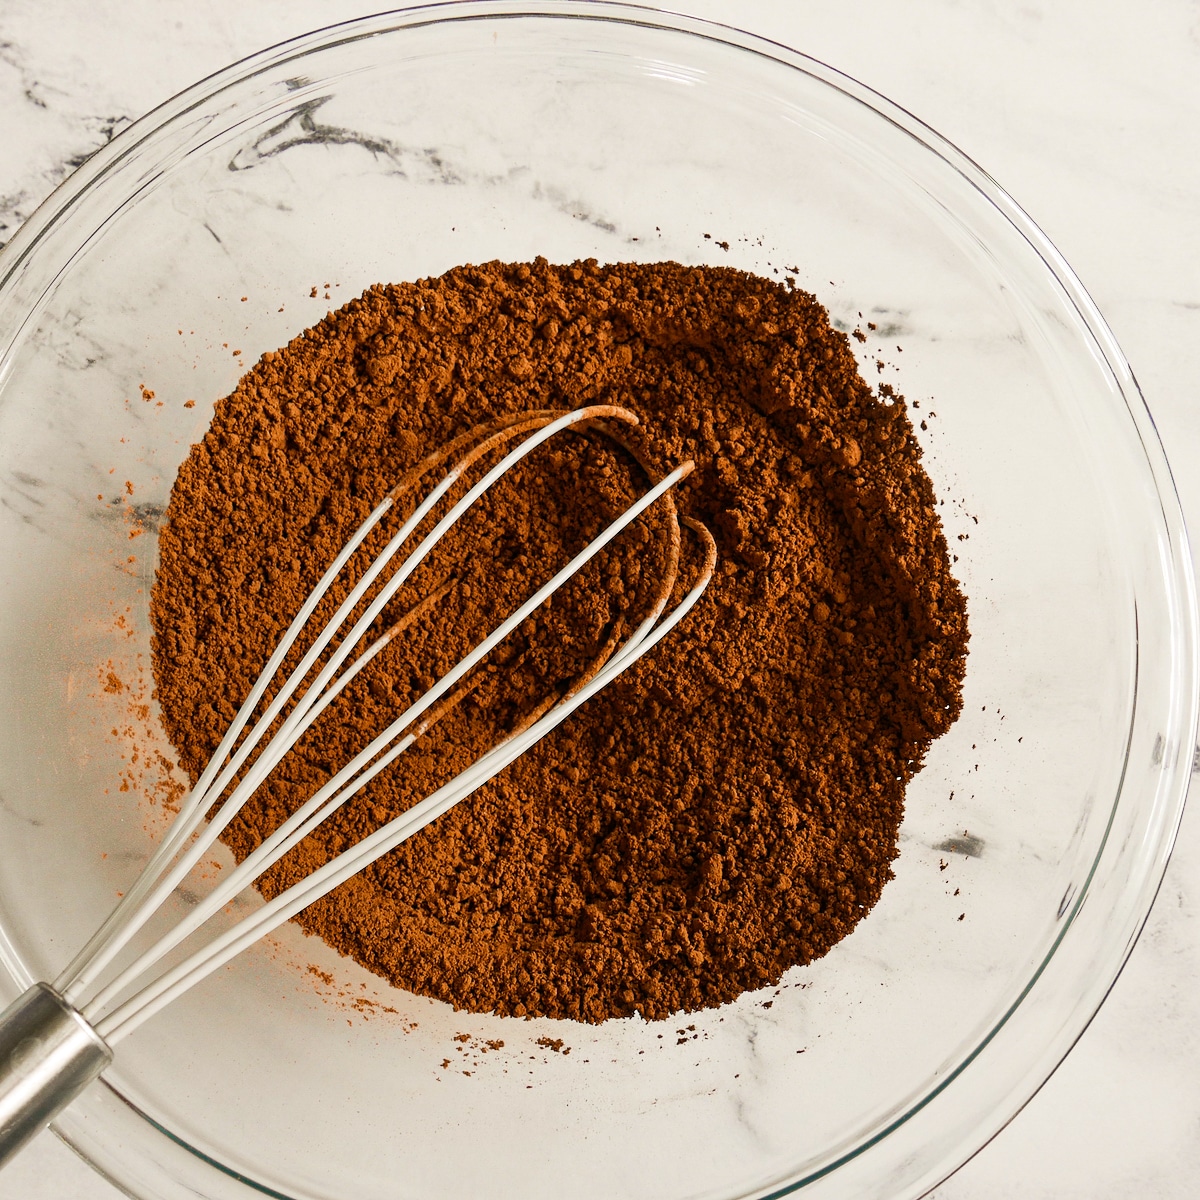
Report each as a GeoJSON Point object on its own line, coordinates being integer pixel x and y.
{"type": "Point", "coordinates": [148, 513]}
{"type": "Point", "coordinates": [24, 517]}
{"type": "Point", "coordinates": [890, 328]}
{"type": "Point", "coordinates": [750, 1022]}
{"type": "Point", "coordinates": [302, 128]}
{"type": "Point", "coordinates": [16, 205]}
{"type": "Point", "coordinates": [7, 806]}
{"type": "Point", "coordinates": [107, 128]}
{"type": "Point", "coordinates": [573, 208]}
{"type": "Point", "coordinates": [27, 481]}
{"type": "Point", "coordinates": [30, 87]}
{"type": "Point", "coordinates": [73, 348]}
{"type": "Point", "coordinates": [46, 512]}
{"type": "Point", "coordinates": [971, 847]}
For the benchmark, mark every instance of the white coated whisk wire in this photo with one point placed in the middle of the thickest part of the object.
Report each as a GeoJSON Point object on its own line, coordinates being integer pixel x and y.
{"type": "Point", "coordinates": [124, 1019]}
{"type": "Point", "coordinates": [152, 887]}
{"type": "Point", "coordinates": [160, 877]}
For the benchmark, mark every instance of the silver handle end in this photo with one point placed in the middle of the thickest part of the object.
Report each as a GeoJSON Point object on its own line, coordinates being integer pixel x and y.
{"type": "Point", "coordinates": [48, 1055]}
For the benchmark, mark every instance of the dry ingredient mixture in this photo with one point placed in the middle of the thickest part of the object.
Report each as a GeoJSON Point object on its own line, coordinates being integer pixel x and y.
{"type": "Point", "coordinates": [729, 807]}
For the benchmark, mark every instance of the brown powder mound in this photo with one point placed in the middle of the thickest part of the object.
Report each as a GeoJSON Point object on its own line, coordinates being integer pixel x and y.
{"type": "Point", "coordinates": [729, 807]}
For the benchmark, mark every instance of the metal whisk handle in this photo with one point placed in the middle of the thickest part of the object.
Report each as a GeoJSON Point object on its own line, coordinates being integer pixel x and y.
{"type": "Point", "coordinates": [48, 1055]}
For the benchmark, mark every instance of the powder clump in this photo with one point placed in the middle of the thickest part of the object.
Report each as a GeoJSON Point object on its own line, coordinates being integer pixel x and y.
{"type": "Point", "coordinates": [729, 807]}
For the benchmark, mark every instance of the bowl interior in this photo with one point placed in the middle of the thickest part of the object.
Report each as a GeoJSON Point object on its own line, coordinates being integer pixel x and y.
{"type": "Point", "coordinates": [400, 149]}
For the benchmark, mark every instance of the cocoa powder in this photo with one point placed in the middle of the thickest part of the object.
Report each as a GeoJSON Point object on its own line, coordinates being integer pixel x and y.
{"type": "Point", "coordinates": [729, 807]}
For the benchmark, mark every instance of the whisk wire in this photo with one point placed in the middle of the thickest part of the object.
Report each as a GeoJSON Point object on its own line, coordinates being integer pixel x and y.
{"type": "Point", "coordinates": [344, 783]}
{"type": "Point", "coordinates": [172, 862]}
{"type": "Point", "coordinates": [156, 995]}
{"type": "Point", "coordinates": [153, 886]}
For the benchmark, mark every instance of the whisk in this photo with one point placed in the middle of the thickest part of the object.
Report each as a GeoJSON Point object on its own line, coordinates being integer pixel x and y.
{"type": "Point", "coordinates": [57, 1038]}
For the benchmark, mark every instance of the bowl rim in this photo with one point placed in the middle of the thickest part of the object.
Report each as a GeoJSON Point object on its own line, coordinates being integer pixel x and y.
{"type": "Point", "coordinates": [1161, 824]}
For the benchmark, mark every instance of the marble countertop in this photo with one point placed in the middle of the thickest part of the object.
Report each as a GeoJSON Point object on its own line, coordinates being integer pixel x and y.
{"type": "Point", "coordinates": [1089, 118]}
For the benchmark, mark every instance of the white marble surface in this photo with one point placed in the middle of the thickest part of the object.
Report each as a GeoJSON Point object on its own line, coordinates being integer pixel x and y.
{"type": "Point", "coordinates": [1091, 118]}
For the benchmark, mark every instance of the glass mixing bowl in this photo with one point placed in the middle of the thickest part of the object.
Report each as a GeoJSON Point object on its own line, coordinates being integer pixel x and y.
{"type": "Point", "coordinates": [401, 145]}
